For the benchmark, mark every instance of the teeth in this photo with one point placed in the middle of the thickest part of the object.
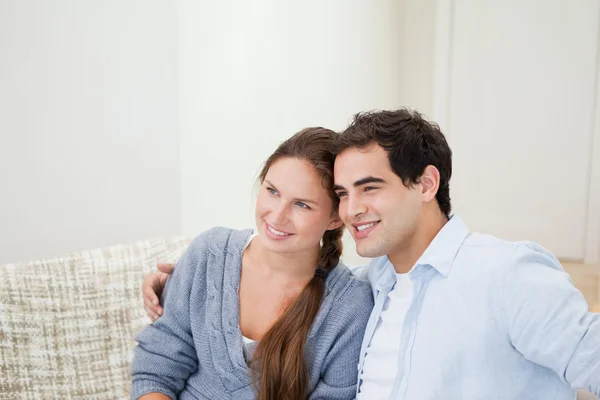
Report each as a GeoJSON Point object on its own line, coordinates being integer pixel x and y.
{"type": "Point", "coordinates": [276, 232]}
{"type": "Point", "coordinates": [363, 227]}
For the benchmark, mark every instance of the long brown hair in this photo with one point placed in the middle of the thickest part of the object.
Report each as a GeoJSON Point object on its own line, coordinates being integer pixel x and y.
{"type": "Point", "coordinates": [278, 360]}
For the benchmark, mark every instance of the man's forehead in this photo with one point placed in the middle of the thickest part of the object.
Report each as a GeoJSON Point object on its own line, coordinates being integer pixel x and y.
{"type": "Point", "coordinates": [370, 153]}
{"type": "Point", "coordinates": [366, 161]}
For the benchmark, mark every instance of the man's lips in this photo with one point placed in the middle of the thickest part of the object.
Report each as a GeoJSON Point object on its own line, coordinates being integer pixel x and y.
{"type": "Point", "coordinates": [362, 229]}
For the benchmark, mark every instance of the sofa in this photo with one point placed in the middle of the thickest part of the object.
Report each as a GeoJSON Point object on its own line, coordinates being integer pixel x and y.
{"type": "Point", "coordinates": [67, 324]}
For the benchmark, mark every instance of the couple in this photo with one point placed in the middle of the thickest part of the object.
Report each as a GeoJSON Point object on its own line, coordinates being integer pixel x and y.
{"type": "Point", "coordinates": [440, 313]}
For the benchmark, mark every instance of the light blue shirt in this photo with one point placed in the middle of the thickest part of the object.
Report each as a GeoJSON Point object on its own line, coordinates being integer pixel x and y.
{"type": "Point", "coordinates": [490, 319]}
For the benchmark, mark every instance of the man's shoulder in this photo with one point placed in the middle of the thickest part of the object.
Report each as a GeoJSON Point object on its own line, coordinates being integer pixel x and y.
{"type": "Point", "coordinates": [478, 249]}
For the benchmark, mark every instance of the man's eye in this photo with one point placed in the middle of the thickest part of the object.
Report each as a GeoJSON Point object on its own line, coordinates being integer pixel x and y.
{"type": "Point", "coordinates": [342, 194]}
{"type": "Point", "coordinates": [302, 205]}
{"type": "Point", "coordinates": [370, 188]}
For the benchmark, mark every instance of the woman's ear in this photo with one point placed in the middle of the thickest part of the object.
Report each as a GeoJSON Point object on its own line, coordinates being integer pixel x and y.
{"type": "Point", "coordinates": [335, 223]}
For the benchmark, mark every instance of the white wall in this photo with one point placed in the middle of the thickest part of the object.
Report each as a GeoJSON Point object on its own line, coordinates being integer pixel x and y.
{"type": "Point", "coordinates": [91, 96]}
{"type": "Point", "coordinates": [418, 55]}
{"type": "Point", "coordinates": [88, 125]}
{"type": "Point", "coordinates": [253, 73]}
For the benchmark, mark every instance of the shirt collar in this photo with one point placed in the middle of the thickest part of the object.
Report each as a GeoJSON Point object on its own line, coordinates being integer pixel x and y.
{"type": "Point", "coordinates": [442, 250]}
{"type": "Point", "coordinates": [440, 254]}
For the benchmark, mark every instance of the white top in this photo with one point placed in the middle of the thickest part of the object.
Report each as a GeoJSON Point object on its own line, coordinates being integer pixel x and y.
{"type": "Point", "coordinates": [247, 340]}
{"type": "Point", "coordinates": [254, 234]}
{"type": "Point", "coordinates": [381, 360]}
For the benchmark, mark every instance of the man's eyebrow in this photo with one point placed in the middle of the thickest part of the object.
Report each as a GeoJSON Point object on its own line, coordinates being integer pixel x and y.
{"type": "Point", "coordinates": [270, 184]}
{"type": "Point", "coordinates": [360, 182]}
{"type": "Point", "coordinates": [368, 179]}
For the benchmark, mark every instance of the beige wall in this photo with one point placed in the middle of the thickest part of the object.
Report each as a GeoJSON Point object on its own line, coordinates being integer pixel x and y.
{"type": "Point", "coordinates": [89, 150]}
{"type": "Point", "coordinates": [515, 91]}
{"type": "Point", "coordinates": [253, 73]}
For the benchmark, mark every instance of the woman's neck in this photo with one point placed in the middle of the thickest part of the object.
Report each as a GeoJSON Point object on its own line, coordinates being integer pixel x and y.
{"type": "Point", "coordinates": [284, 267]}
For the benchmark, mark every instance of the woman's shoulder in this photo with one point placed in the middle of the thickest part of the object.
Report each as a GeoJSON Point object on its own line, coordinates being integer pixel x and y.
{"type": "Point", "coordinates": [217, 241]}
{"type": "Point", "coordinates": [342, 284]}
{"type": "Point", "coordinates": [347, 303]}
{"type": "Point", "coordinates": [221, 239]}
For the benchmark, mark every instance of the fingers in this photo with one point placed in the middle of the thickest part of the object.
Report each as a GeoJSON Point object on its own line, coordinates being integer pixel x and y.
{"type": "Point", "coordinates": [152, 287]}
{"type": "Point", "coordinates": [148, 288]}
{"type": "Point", "coordinates": [151, 301]}
{"type": "Point", "coordinates": [151, 314]}
{"type": "Point", "coordinates": [167, 268]}
{"type": "Point", "coordinates": [152, 309]}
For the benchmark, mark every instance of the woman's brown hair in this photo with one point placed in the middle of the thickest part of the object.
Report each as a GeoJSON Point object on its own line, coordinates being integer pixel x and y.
{"type": "Point", "coordinates": [279, 357]}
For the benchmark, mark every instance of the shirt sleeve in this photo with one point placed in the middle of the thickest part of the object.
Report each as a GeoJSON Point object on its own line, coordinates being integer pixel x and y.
{"type": "Point", "coordinates": [165, 356]}
{"type": "Point", "coordinates": [548, 319]}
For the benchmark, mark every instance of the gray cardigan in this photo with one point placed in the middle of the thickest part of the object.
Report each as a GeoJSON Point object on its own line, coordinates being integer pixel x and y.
{"type": "Point", "coordinates": [195, 350]}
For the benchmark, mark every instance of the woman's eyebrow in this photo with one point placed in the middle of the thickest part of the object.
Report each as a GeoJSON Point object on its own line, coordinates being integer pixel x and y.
{"type": "Point", "coordinates": [270, 184]}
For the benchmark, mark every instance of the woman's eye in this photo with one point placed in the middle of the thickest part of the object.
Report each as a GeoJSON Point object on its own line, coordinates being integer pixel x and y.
{"type": "Point", "coordinates": [301, 204]}
{"type": "Point", "coordinates": [272, 191]}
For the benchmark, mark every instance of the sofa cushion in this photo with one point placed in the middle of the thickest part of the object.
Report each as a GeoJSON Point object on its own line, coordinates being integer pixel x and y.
{"type": "Point", "coordinates": [67, 324]}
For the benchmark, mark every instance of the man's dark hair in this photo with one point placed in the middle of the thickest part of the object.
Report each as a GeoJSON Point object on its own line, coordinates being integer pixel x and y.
{"type": "Point", "coordinates": [412, 143]}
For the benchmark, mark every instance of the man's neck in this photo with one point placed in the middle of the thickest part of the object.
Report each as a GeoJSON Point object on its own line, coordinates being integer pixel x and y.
{"type": "Point", "coordinates": [404, 258]}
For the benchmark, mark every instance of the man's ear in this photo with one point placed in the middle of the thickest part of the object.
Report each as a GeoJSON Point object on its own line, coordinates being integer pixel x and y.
{"type": "Point", "coordinates": [429, 182]}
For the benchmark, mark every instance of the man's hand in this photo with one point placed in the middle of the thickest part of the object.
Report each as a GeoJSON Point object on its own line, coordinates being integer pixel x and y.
{"type": "Point", "coordinates": [152, 289]}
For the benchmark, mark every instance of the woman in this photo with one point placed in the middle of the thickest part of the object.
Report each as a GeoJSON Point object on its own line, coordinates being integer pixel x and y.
{"type": "Point", "coordinates": [269, 315]}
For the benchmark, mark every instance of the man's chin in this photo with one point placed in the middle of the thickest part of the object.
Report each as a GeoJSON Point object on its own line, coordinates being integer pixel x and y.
{"type": "Point", "coordinates": [369, 252]}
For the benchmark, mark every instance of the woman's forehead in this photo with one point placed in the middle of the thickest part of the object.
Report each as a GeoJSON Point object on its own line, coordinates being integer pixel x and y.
{"type": "Point", "coordinates": [296, 178]}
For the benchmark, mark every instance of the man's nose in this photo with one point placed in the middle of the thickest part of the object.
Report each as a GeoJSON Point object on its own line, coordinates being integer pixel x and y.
{"type": "Point", "coordinates": [356, 206]}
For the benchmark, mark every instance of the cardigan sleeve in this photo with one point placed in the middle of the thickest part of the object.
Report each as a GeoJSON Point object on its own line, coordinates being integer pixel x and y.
{"type": "Point", "coordinates": [165, 356]}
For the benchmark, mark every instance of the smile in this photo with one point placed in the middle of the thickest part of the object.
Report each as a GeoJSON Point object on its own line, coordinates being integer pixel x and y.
{"type": "Point", "coordinates": [276, 234]}
{"type": "Point", "coordinates": [363, 229]}
{"type": "Point", "coordinates": [366, 226]}
{"type": "Point", "coordinates": [275, 231]}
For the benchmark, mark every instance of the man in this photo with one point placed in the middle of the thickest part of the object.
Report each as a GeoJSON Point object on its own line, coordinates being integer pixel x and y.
{"type": "Point", "coordinates": [457, 315]}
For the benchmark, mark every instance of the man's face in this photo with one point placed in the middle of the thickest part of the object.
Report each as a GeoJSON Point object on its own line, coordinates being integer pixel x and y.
{"type": "Point", "coordinates": [379, 211]}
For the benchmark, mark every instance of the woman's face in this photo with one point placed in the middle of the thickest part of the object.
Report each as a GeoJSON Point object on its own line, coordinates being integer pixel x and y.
{"type": "Point", "coordinates": [293, 209]}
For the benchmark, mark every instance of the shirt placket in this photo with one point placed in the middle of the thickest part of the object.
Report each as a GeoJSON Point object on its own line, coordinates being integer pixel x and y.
{"type": "Point", "coordinates": [373, 320]}
{"type": "Point", "coordinates": [420, 278]}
